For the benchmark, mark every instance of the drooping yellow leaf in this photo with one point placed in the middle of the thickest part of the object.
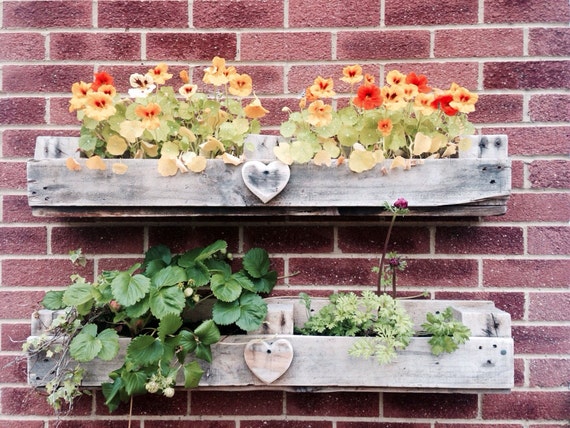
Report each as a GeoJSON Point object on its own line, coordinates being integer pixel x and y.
{"type": "Point", "coordinates": [361, 160]}
{"type": "Point", "coordinates": [379, 155]}
{"type": "Point", "coordinates": [301, 152]}
{"type": "Point", "coordinates": [197, 164]}
{"type": "Point", "coordinates": [185, 132]}
{"type": "Point", "coordinates": [169, 150]}
{"type": "Point", "coordinates": [167, 167]}
{"type": "Point", "coordinates": [231, 159]}
{"type": "Point", "coordinates": [95, 162]}
{"type": "Point", "coordinates": [437, 142]}
{"type": "Point", "coordinates": [331, 148]}
{"type": "Point", "coordinates": [422, 144]}
{"type": "Point", "coordinates": [120, 168]}
{"type": "Point", "coordinates": [283, 153]}
{"type": "Point", "coordinates": [131, 130]}
{"type": "Point", "coordinates": [212, 145]}
{"type": "Point", "coordinates": [398, 162]}
{"type": "Point", "coordinates": [450, 150]}
{"type": "Point", "coordinates": [151, 150]}
{"type": "Point", "coordinates": [116, 145]}
{"type": "Point", "coordinates": [322, 158]}
{"type": "Point", "coordinates": [464, 144]}
{"type": "Point", "coordinates": [72, 164]}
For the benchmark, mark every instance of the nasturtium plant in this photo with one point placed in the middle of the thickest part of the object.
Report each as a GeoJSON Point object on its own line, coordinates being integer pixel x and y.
{"type": "Point", "coordinates": [151, 303]}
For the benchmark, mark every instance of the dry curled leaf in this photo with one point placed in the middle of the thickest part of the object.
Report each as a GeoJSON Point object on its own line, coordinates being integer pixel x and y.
{"type": "Point", "coordinates": [72, 164]}
{"type": "Point", "coordinates": [95, 162]}
{"type": "Point", "coordinates": [120, 168]}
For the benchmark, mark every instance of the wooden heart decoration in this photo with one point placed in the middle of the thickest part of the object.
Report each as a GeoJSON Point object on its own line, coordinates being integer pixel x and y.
{"type": "Point", "coordinates": [265, 181]}
{"type": "Point", "coordinates": [268, 360]}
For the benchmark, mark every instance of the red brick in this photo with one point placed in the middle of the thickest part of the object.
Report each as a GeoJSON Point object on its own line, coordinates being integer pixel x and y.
{"type": "Point", "coordinates": [550, 108]}
{"type": "Point", "coordinates": [526, 273]}
{"type": "Point", "coordinates": [362, 404]}
{"type": "Point", "coordinates": [190, 47]}
{"type": "Point", "coordinates": [517, 174]}
{"type": "Point", "coordinates": [479, 240]}
{"type": "Point", "coordinates": [549, 373]}
{"type": "Point", "coordinates": [422, 405]}
{"type": "Point", "coordinates": [387, 45]}
{"type": "Point", "coordinates": [13, 175]}
{"type": "Point", "coordinates": [439, 273]}
{"type": "Point", "coordinates": [17, 210]}
{"type": "Point", "coordinates": [314, 271]}
{"type": "Point", "coordinates": [21, 143]}
{"type": "Point", "coordinates": [98, 240]}
{"type": "Point", "coordinates": [561, 425]}
{"type": "Point", "coordinates": [404, 240]}
{"type": "Point", "coordinates": [550, 174]}
{"type": "Point", "coordinates": [21, 47]}
{"type": "Point", "coordinates": [519, 372]}
{"type": "Point", "coordinates": [99, 423]}
{"type": "Point", "coordinates": [290, 239]}
{"type": "Point", "coordinates": [147, 404]}
{"type": "Point", "coordinates": [45, 14]}
{"type": "Point", "coordinates": [498, 108]}
{"type": "Point", "coordinates": [442, 74]}
{"type": "Point", "coordinates": [59, 113]}
{"type": "Point", "coordinates": [27, 401]}
{"type": "Point", "coordinates": [430, 12]}
{"type": "Point", "coordinates": [117, 263]}
{"type": "Point", "coordinates": [300, 77]}
{"type": "Point", "coordinates": [288, 423]}
{"type": "Point", "coordinates": [22, 111]}
{"type": "Point", "coordinates": [549, 41]}
{"type": "Point", "coordinates": [8, 423]}
{"type": "Point", "coordinates": [266, 14]}
{"type": "Point", "coordinates": [190, 423]}
{"type": "Point", "coordinates": [541, 339]}
{"type": "Point", "coordinates": [183, 238]}
{"type": "Point", "coordinates": [513, 303]}
{"type": "Point", "coordinates": [143, 14]}
{"type": "Point", "coordinates": [382, 425]}
{"type": "Point", "coordinates": [286, 46]}
{"type": "Point", "coordinates": [465, 43]}
{"type": "Point", "coordinates": [14, 335]}
{"type": "Point", "coordinates": [19, 304]}
{"type": "Point", "coordinates": [549, 240]}
{"type": "Point", "coordinates": [95, 46]}
{"type": "Point", "coordinates": [549, 307]}
{"type": "Point", "coordinates": [44, 78]}
{"type": "Point", "coordinates": [236, 403]}
{"type": "Point", "coordinates": [527, 405]}
{"type": "Point", "coordinates": [14, 369]}
{"type": "Point", "coordinates": [535, 207]}
{"type": "Point", "coordinates": [527, 75]}
{"type": "Point", "coordinates": [23, 240]}
{"type": "Point", "coordinates": [468, 425]}
{"type": "Point", "coordinates": [327, 13]}
{"type": "Point", "coordinates": [531, 11]}
{"type": "Point", "coordinates": [38, 273]}
{"type": "Point", "coordinates": [552, 140]}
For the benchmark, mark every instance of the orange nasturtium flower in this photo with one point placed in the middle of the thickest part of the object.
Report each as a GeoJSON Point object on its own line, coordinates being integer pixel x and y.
{"type": "Point", "coordinates": [319, 113]}
{"type": "Point", "coordinates": [463, 100]}
{"type": "Point", "coordinates": [240, 85]}
{"type": "Point", "coordinates": [394, 97]}
{"type": "Point", "coordinates": [160, 74]}
{"type": "Point", "coordinates": [352, 74]}
{"type": "Point", "coordinates": [323, 88]}
{"type": "Point", "coordinates": [420, 81]}
{"type": "Point", "coordinates": [443, 101]}
{"type": "Point", "coordinates": [216, 73]}
{"type": "Point", "coordinates": [107, 89]}
{"type": "Point", "coordinates": [385, 126]}
{"type": "Point", "coordinates": [149, 115]}
{"type": "Point", "coordinates": [101, 78]}
{"type": "Point", "coordinates": [255, 110]}
{"type": "Point", "coordinates": [99, 106]}
{"type": "Point", "coordinates": [79, 91]}
{"type": "Point", "coordinates": [368, 97]}
{"type": "Point", "coordinates": [184, 76]}
{"type": "Point", "coordinates": [394, 77]}
{"type": "Point", "coordinates": [369, 79]}
{"type": "Point", "coordinates": [423, 103]}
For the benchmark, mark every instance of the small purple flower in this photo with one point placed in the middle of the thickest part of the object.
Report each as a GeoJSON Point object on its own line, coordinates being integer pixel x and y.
{"type": "Point", "coordinates": [401, 203]}
{"type": "Point", "coordinates": [394, 262]}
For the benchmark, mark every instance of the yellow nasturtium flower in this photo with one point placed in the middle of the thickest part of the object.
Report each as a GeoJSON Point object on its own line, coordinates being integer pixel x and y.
{"type": "Point", "coordinates": [323, 88]}
{"type": "Point", "coordinates": [240, 85]}
{"type": "Point", "coordinates": [216, 73]}
{"type": "Point", "coordinates": [99, 106]}
{"type": "Point", "coordinates": [320, 114]}
{"type": "Point", "coordinates": [160, 74]}
{"type": "Point", "coordinates": [352, 74]}
{"type": "Point", "coordinates": [149, 115]}
{"type": "Point", "coordinates": [255, 110]}
{"type": "Point", "coordinates": [79, 91]}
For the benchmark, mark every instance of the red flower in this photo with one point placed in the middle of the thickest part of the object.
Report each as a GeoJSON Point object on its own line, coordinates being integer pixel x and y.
{"type": "Point", "coordinates": [420, 81]}
{"type": "Point", "coordinates": [368, 97]}
{"type": "Point", "coordinates": [101, 78]}
{"type": "Point", "coordinates": [401, 203]}
{"type": "Point", "coordinates": [442, 102]}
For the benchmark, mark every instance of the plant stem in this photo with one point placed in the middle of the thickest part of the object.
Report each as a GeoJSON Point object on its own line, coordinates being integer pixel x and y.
{"type": "Point", "coordinates": [380, 273]}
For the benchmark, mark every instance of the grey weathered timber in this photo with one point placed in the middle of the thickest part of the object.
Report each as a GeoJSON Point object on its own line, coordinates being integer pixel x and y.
{"type": "Point", "coordinates": [322, 363]}
{"type": "Point", "coordinates": [477, 183]}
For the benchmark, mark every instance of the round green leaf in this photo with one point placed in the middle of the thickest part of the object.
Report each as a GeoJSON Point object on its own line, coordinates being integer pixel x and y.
{"type": "Point", "coordinates": [225, 289]}
{"type": "Point", "coordinates": [53, 300]}
{"type": "Point", "coordinates": [85, 346]}
{"type": "Point", "coordinates": [167, 300]}
{"type": "Point", "coordinates": [109, 344]}
{"type": "Point", "coordinates": [145, 350]}
{"type": "Point", "coordinates": [208, 332]}
{"type": "Point", "coordinates": [225, 313]}
{"type": "Point", "coordinates": [252, 312]}
{"type": "Point", "coordinates": [168, 276]}
{"type": "Point", "coordinates": [77, 294]}
{"type": "Point", "coordinates": [128, 289]}
{"type": "Point", "coordinates": [192, 374]}
{"type": "Point", "coordinates": [168, 325]}
{"type": "Point", "coordinates": [256, 262]}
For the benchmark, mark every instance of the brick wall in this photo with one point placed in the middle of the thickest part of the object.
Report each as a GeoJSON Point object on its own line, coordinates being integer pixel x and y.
{"type": "Point", "coordinates": [515, 53]}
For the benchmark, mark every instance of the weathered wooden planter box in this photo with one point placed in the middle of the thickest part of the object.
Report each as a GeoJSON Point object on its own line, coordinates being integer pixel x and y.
{"type": "Point", "coordinates": [476, 184]}
{"type": "Point", "coordinates": [322, 363]}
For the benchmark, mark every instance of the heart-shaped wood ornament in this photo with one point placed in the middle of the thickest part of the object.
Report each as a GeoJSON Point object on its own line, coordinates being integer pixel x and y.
{"type": "Point", "coordinates": [265, 181]}
{"type": "Point", "coordinates": [268, 360]}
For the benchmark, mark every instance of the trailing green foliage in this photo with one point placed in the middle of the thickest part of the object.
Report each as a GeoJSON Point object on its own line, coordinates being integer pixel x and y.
{"type": "Point", "coordinates": [447, 333]}
{"type": "Point", "coordinates": [150, 302]}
